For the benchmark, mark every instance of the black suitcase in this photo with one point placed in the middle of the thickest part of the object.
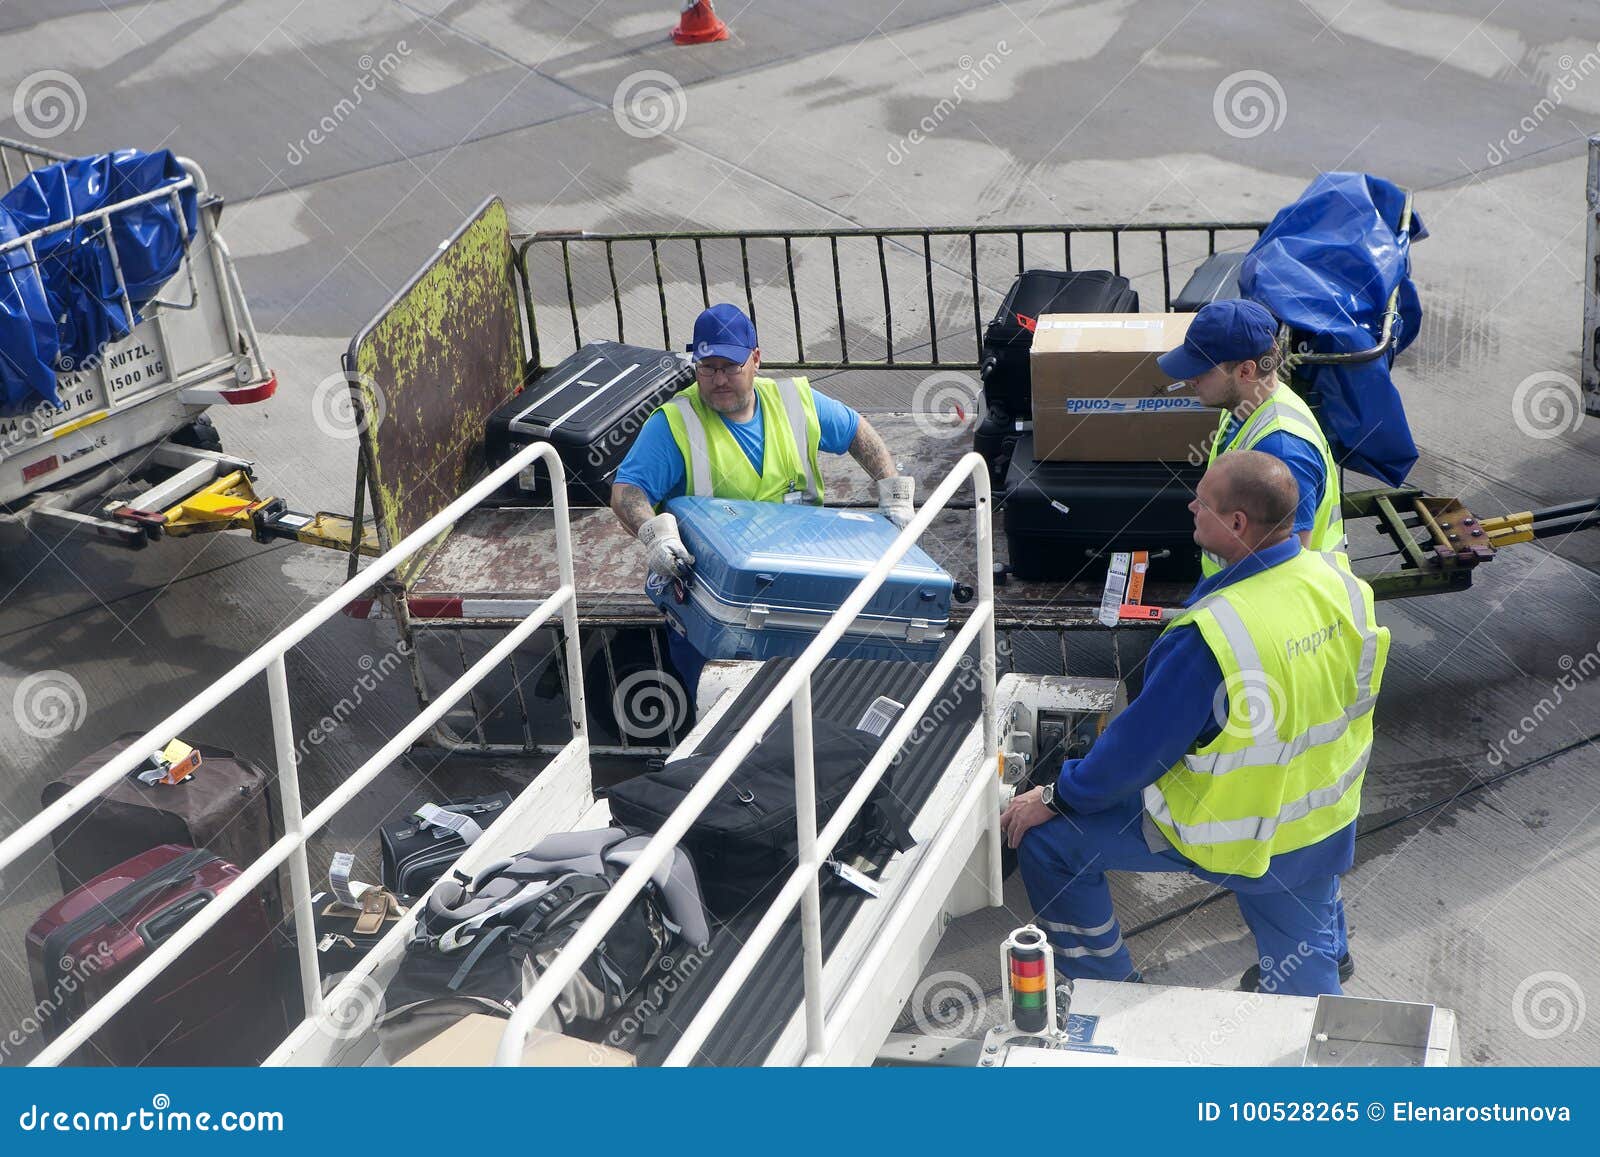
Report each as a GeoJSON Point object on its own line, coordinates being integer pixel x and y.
{"type": "Point", "coordinates": [225, 806]}
{"type": "Point", "coordinates": [1214, 279]}
{"type": "Point", "coordinates": [744, 840]}
{"type": "Point", "coordinates": [415, 854]}
{"type": "Point", "coordinates": [1009, 336]}
{"type": "Point", "coordinates": [1064, 519]}
{"type": "Point", "coordinates": [994, 438]}
{"type": "Point", "coordinates": [590, 408]}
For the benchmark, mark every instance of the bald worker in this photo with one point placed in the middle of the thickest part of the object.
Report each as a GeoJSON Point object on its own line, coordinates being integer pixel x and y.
{"type": "Point", "coordinates": [1241, 759]}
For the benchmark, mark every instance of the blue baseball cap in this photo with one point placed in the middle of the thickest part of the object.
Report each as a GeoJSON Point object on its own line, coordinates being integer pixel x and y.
{"type": "Point", "coordinates": [723, 331]}
{"type": "Point", "coordinates": [1233, 330]}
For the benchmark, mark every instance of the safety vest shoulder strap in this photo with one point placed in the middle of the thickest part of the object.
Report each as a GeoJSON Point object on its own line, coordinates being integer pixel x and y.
{"type": "Point", "coordinates": [694, 431]}
{"type": "Point", "coordinates": [794, 408]}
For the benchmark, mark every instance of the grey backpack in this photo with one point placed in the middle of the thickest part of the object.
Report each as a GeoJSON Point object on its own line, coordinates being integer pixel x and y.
{"type": "Point", "coordinates": [483, 941]}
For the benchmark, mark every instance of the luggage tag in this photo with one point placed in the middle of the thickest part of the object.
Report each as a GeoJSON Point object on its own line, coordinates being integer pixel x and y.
{"type": "Point", "coordinates": [1133, 602]}
{"type": "Point", "coordinates": [435, 816]}
{"type": "Point", "coordinates": [1116, 584]}
{"type": "Point", "coordinates": [173, 764]}
{"type": "Point", "coordinates": [854, 878]}
{"type": "Point", "coordinates": [879, 714]}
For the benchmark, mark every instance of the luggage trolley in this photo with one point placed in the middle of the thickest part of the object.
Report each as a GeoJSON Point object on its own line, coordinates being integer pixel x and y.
{"type": "Point", "coordinates": [129, 455]}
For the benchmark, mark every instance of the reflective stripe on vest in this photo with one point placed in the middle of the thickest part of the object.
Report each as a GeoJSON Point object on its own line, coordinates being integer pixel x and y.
{"type": "Point", "coordinates": [1322, 763]}
{"type": "Point", "coordinates": [699, 452]}
{"type": "Point", "coordinates": [1259, 828]}
{"type": "Point", "coordinates": [1285, 411]}
{"type": "Point", "coordinates": [1269, 749]}
{"type": "Point", "coordinates": [795, 409]}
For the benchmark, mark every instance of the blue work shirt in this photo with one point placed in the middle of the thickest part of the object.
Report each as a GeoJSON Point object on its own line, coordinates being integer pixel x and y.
{"type": "Point", "coordinates": [1304, 461]}
{"type": "Point", "coordinates": [655, 465]}
{"type": "Point", "coordinates": [1175, 711]}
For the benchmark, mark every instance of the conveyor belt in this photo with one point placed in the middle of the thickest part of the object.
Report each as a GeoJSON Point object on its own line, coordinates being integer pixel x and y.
{"type": "Point", "coordinates": [841, 690]}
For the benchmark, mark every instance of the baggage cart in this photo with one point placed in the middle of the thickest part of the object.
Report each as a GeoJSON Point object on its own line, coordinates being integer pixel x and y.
{"type": "Point", "coordinates": [130, 440]}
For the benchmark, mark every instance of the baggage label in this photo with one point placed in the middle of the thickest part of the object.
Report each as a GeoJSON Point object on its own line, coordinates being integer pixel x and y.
{"type": "Point", "coordinates": [854, 878]}
{"type": "Point", "coordinates": [1116, 584]}
{"type": "Point", "coordinates": [435, 816]}
{"type": "Point", "coordinates": [879, 714]}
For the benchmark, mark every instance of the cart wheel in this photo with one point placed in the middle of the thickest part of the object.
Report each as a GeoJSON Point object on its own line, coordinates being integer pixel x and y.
{"type": "Point", "coordinates": [200, 434]}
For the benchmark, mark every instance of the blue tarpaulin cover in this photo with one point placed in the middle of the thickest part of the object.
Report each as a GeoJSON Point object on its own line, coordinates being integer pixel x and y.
{"type": "Point", "coordinates": [1326, 266]}
{"type": "Point", "coordinates": [57, 315]}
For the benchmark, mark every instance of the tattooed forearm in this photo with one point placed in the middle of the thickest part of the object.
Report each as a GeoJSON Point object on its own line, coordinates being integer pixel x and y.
{"type": "Point", "coordinates": [868, 449]}
{"type": "Point", "coordinates": [631, 505]}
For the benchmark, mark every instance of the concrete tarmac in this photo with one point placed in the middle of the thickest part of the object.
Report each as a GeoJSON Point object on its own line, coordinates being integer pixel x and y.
{"type": "Point", "coordinates": [348, 139]}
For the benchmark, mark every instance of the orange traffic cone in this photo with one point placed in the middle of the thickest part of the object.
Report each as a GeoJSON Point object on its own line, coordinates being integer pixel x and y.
{"type": "Point", "coordinates": [699, 24]}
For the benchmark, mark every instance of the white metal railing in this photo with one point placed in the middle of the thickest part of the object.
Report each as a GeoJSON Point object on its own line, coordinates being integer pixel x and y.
{"type": "Point", "coordinates": [1589, 370]}
{"type": "Point", "coordinates": [801, 886]}
{"type": "Point", "coordinates": [299, 826]}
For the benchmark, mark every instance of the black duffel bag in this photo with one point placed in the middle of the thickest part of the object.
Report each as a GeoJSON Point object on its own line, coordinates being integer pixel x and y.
{"type": "Point", "coordinates": [744, 841]}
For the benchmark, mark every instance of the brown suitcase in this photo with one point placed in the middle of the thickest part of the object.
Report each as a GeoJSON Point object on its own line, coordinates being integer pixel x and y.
{"type": "Point", "coordinates": [226, 806]}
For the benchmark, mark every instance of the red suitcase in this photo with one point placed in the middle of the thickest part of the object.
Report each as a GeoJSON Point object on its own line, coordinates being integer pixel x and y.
{"type": "Point", "coordinates": [219, 1003]}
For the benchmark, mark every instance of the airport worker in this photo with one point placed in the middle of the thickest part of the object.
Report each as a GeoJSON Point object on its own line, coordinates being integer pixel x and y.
{"type": "Point", "coordinates": [735, 434]}
{"type": "Point", "coordinates": [1230, 356]}
{"type": "Point", "coordinates": [1240, 761]}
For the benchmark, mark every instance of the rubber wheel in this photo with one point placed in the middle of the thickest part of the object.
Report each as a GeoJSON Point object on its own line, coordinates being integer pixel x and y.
{"type": "Point", "coordinates": [200, 434]}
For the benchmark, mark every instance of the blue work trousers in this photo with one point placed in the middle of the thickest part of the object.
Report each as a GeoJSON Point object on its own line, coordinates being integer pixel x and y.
{"type": "Point", "coordinates": [1299, 928]}
{"type": "Point", "coordinates": [687, 662]}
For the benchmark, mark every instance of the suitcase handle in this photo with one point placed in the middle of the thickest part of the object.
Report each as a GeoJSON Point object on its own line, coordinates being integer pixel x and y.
{"type": "Point", "coordinates": [164, 923]}
{"type": "Point", "coordinates": [1092, 552]}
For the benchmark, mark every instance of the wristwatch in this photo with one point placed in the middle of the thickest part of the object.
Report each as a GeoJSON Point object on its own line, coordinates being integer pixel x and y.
{"type": "Point", "coordinates": [1047, 796]}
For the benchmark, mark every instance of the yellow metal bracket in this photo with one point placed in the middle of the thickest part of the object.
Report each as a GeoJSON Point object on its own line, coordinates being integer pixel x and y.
{"type": "Point", "coordinates": [231, 503]}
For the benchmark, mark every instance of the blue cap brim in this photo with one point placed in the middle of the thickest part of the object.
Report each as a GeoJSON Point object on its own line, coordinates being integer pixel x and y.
{"type": "Point", "coordinates": [737, 354]}
{"type": "Point", "coordinates": [1184, 364]}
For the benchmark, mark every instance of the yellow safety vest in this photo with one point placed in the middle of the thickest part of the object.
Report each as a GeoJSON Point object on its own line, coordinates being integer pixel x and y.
{"type": "Point", "coordinates": [1287, 412]}
{"type": "Point", "coordinates": [714, 464]}
{"type": "Point", "coordinates": [1302, 660]}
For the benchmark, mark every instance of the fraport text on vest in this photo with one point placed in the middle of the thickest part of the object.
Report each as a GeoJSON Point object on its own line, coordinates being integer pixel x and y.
{"type": "Point", "coordinates": [1312, 643]}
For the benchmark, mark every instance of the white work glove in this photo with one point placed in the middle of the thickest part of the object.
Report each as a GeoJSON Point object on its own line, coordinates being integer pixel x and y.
{"type": "Point", "coordinates": [894, 498]}
{"type": "Point", "coordinates": [668, 557]}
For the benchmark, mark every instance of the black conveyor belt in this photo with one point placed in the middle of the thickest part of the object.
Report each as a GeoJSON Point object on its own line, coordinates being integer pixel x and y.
{"type": "Point", "coordinates": [841, 690]}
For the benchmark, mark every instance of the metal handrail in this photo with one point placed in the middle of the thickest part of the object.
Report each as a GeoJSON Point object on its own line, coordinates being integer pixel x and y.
{"type": "Point", "coordinates": [299, 825]}
{"type": "Point", "coordinates": [801, 886]}
{"type": "Point", "coordinates": [1386, 338]}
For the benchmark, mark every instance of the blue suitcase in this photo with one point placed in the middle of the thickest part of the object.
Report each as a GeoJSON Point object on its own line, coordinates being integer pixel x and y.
{"type": "Point", "coordinates": [767, 575]}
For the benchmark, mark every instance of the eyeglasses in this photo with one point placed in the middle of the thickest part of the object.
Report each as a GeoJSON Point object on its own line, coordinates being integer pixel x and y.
{"type": "Point", "coordinates": [711, 373]}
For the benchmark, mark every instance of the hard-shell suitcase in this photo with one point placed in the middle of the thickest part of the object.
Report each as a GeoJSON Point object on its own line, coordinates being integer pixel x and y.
{"type": "Point", "coordinates": [590, 408]}
{"type": "Point", "coordinates": [767, 575]}
{"type": "Point", "coordinates": [1007, 338]}
{"type": "Point", "coordinates": [219, 1003]}
{"type": "Point", "coordinates": [417, 852]}
{"type": "Point", "coordinates": [1064, 519]}
{"type": "Point", "coordinates": [225, 806]}
{"type": "Point", "coordinates": [1214, 279]}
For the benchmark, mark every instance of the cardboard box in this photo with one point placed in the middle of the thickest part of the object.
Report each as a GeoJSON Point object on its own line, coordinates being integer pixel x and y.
{"type": "Point", "coordinates": [1098, 395]}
